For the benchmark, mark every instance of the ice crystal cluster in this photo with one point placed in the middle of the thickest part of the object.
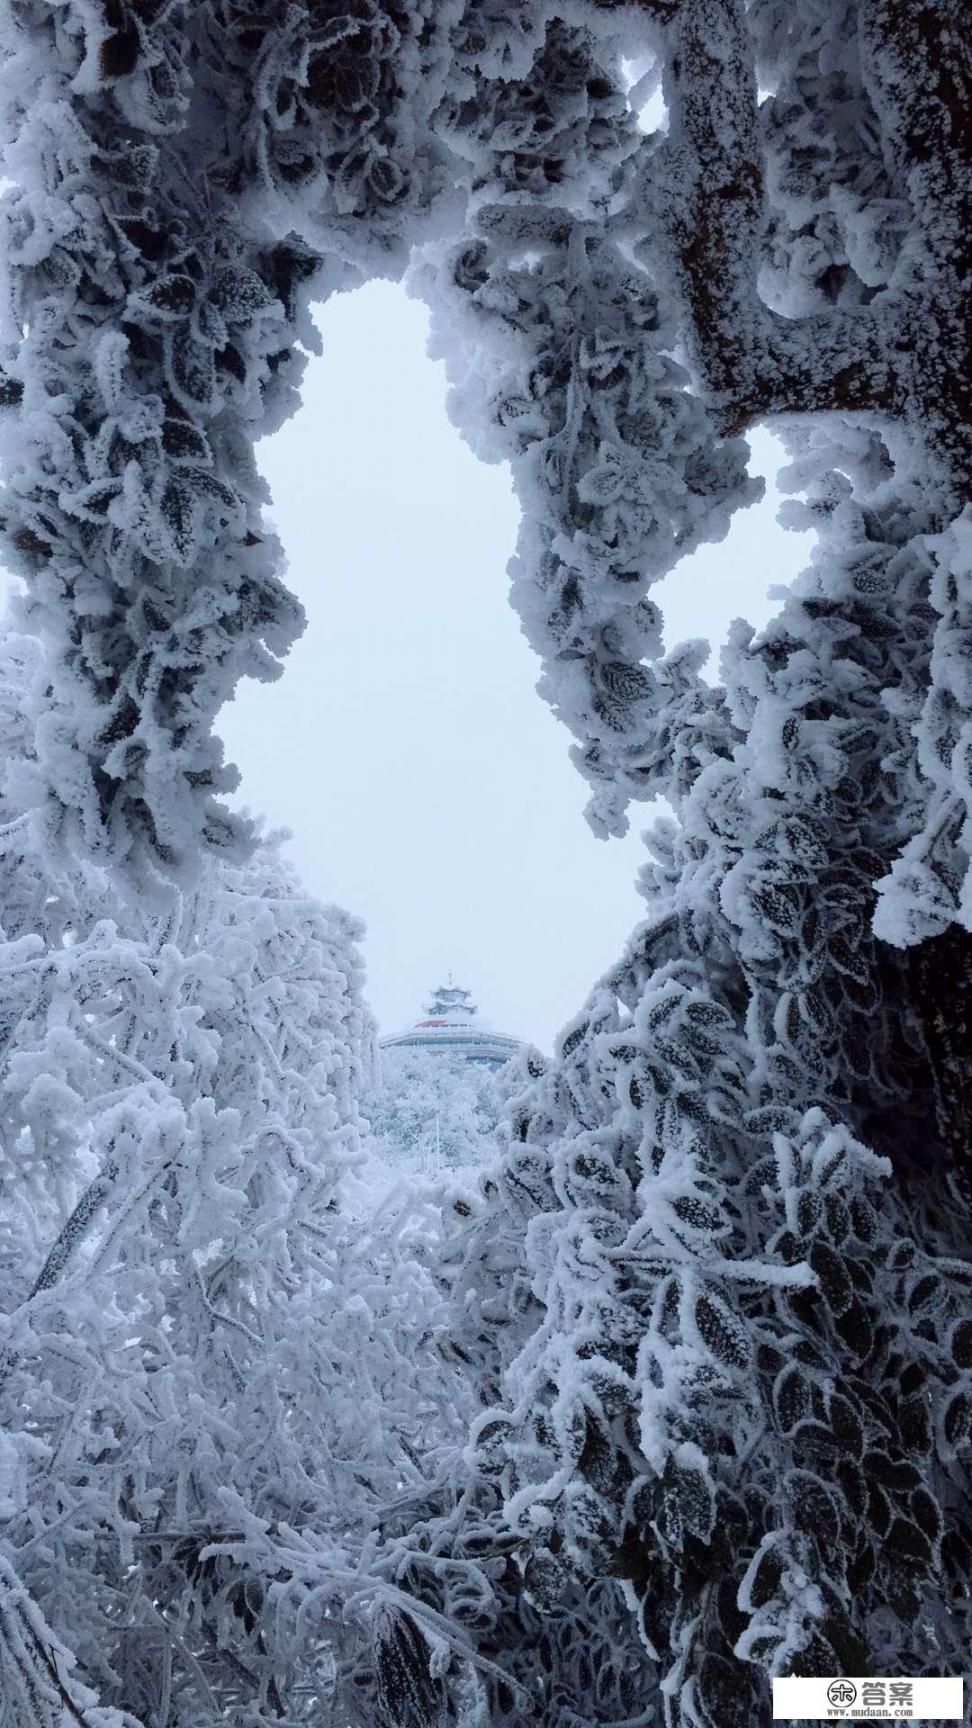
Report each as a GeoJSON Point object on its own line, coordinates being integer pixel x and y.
{"type": "Point", "coordinates": [678, 1397]}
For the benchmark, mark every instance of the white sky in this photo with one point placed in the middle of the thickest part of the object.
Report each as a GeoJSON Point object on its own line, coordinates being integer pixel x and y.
{"type": "Point", "coordinates": [428, 787]}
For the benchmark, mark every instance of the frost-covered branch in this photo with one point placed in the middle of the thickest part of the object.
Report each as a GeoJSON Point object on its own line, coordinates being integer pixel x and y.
{"type": "Point", "coordinates": [756, 362]}
{"type": "Point", "coordinates": [918, 72]}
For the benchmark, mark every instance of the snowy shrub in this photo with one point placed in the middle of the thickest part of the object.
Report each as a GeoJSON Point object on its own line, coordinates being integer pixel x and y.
{"type": "Point", "coordinates": [431, 1110]}
{"type": "Point", "coordinates": [217, 1382]}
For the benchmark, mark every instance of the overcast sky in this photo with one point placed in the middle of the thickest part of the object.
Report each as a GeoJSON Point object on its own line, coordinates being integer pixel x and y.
{"type": "Point", "coordinates": [428, 787]}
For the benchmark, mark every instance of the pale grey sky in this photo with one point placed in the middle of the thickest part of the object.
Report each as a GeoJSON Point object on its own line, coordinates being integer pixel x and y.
{"type": "Point", "coordinates": [427, 785]}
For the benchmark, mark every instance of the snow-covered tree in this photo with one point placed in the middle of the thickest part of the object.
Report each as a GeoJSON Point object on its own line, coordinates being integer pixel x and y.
{"type": "Point", "coordinates": [731, 1395]}
{"type": "Point", "coordinates": [217, 1387]}
{"type": "Point", "coordinates": [749, 1393]}
{"type": "Point", "coordinates": [432, 1110]}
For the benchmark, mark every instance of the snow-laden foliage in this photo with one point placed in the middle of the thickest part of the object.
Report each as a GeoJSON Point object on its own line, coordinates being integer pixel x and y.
{"type": "Point", "coordinates": [551, 1647]}
{"type": "Point", "coordinates": [217, 1382]}
{"type": "Point", "coordinates": [749, 1395]}
{"type": "Point", "coordinates": [432, 1110]}
{"type": "Point", "coordinates": [713, 1310]}
{"type": "Point", "coordinates": [38, 1683]}
{"type": "Point", "coordinates": [187, 179]}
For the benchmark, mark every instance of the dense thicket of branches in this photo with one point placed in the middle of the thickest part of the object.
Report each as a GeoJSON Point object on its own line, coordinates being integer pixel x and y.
{"type": "Point", "coordinates": [714, 1310]}
{"type": "Point", "coordinates": [429, 1111]}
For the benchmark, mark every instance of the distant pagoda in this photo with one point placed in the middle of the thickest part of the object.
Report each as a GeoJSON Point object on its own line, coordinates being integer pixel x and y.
{"type": "Point", "coordinates": [453, 1024]}
{"type": "Point", "coordinates": [449, 1002]}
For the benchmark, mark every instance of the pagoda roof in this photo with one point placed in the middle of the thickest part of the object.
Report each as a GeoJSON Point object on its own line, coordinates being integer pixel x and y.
{"type": "Point", "coordinates": [456, 1026]}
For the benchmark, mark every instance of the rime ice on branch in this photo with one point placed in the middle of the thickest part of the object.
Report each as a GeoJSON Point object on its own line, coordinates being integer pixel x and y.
{"type": "Point", "coordinates": [213, 1384]}
{"type": "Point", "coordinates": [187, 181]}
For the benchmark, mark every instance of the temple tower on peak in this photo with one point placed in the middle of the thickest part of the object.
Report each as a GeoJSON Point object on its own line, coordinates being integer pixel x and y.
{"type": "Point", "coordinates": [449, 1001]}
{"type": "Point", "coordinates": [453, 1024]}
